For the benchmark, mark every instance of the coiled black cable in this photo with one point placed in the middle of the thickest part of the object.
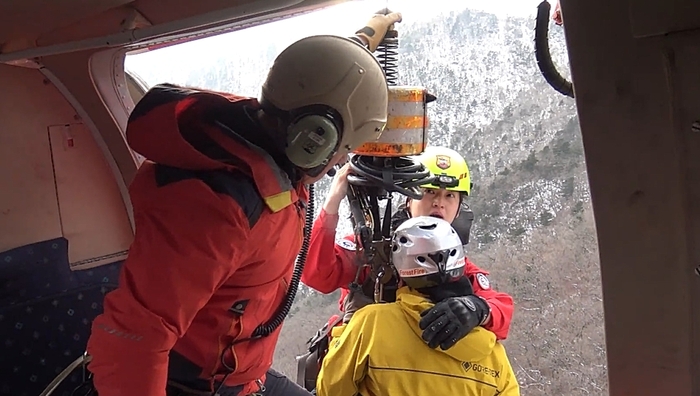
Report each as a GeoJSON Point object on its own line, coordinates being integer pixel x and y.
{"type": "Point", "coordinates": [544, 57]}
{"type": "Point", "coordinates": [268, 327]}
{"type": "Point", "coordinates": [394, 174]}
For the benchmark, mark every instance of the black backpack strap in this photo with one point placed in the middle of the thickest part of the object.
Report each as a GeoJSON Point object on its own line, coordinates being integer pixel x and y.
{"type": "Point", "coordinates": [309, 364]}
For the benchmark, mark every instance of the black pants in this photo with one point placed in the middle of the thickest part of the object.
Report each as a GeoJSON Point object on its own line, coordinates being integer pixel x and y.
{"type": "Point", "coordinates": [276, 384]}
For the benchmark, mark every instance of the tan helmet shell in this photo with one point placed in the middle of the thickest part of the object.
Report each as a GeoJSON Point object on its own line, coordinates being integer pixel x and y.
{"type": "Point", "coordinates": [337, 72]}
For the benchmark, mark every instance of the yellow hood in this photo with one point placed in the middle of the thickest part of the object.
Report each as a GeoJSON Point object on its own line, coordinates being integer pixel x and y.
{"type": "Point", "coordinates": [475, 346]}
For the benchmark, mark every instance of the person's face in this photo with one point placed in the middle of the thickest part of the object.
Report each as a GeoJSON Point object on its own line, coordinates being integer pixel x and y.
{"type": "Point", "coordinates": [437, 203]}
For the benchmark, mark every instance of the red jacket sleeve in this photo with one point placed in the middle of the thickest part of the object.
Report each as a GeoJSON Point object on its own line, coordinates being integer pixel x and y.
{"type": "Point", "coordinates": [187, 244]}
{"type": "Point", "coordinates": [501, 303]}
{"type": "Point", "coordinates": [328, 266]}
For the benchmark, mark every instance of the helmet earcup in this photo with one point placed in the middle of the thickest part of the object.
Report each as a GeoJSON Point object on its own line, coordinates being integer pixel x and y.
{"type": "Point", "coordinates": [311, 140]}
{"type": "Point", "coordinates": [335, 72]}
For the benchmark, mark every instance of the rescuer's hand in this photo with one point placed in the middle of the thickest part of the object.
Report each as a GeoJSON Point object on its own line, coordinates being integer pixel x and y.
{"type": "Point", "coordinates": [338, 190]}
{"type": "Point", "coordinates": [377, 26]}
{"type": "Point", "coordinates": [354, 301]}
{"type": "Point", "coordinates": [556, 17]}
{"type": "Point", "coordinates": [451, 320]}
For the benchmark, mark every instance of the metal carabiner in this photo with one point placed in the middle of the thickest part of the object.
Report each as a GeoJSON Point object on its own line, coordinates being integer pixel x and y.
{"type": "Point", "coordinates": [378, 286]}
{"type": "Point", "coordinates": [261, 388]}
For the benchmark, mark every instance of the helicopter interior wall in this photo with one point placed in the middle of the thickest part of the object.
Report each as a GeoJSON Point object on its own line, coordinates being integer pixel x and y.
{"type": "Point", "coordinates": [136, 86]}
{"type": "Point", "coordinates": [101, 23]}
{"type": "Point", "coordinates": [75, 19]}
{"type": "Point", "coordinates": [21, 21]}
{"type": "Point", "coordinates": [57, 182]}
{"type": "Point", "coordinates": [95, 84]}
{"type": "Point", "coordinates": [638, 94]}
{"type": "Point", "coordinates": [28, 204]}
{"type": "Point", "coordinates": [61, 214]}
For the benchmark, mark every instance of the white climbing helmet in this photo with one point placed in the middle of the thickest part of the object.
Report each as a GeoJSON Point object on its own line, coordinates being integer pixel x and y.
{"type": "Point", "coordinates": [426, 251]}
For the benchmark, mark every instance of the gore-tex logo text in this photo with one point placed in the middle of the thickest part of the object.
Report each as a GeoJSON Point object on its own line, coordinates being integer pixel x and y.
{"type": "Point", "coordinates": [478, 368]}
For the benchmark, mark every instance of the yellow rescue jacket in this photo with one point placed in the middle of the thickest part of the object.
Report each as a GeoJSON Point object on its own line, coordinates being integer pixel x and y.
{"type": "Point", "coordinates": [381, 353]}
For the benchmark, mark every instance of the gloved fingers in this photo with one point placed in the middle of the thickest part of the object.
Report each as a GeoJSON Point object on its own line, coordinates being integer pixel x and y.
{"type": "Point", "coordinates": [429, 316]}
{"type": "Point", "coordinates": [451, 338]}
{"type": "Point", "coordinates": [447, 335]}
{"type": "Point", "coordinates": [383, 11]}
{"type": "Point", "coordinates": [445, 345]}
{"type": "Point", "coordinates": [376, 28]}
{"type": "Point", "coordinates": [443, 337]}
{"type": "Point", "coordinates": [392, 18]}
{"type": "Point", "coordinates": [431, 332]}
{"type": "Point", "coordinates": [379, 23]}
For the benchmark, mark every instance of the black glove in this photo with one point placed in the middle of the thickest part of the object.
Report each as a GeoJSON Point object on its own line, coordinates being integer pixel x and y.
{"type": "Point", "coordinates": [451, 320]}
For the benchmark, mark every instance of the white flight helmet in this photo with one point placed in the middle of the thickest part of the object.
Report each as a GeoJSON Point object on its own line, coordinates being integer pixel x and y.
{"type": "Point", "coordinates": [333, 95]}
{"type": "Point", "coordinates": [426, 251]}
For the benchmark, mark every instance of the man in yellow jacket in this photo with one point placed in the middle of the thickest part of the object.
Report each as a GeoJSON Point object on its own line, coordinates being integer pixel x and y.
{"type": "Point", "coordinates": [380, 352]}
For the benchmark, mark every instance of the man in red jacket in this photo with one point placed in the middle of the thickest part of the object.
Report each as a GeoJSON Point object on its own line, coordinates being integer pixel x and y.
{"type": "Point", "coordinates": [224, 181]}
{"type": "Point", "coordinates": [332, 265]}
